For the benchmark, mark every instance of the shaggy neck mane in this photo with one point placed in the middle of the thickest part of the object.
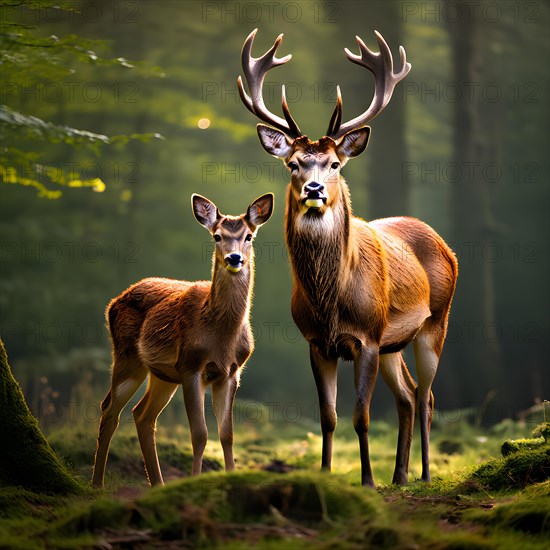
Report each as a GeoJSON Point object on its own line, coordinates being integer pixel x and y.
{"type": "Point", "coordinates": [319, 250]}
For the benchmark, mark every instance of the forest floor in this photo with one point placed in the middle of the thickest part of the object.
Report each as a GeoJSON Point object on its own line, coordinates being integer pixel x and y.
{"type": "Point", "coordinates": [277, 498]}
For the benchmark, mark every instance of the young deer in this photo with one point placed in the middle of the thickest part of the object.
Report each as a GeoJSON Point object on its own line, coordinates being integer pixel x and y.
{"type": "Point", "coordinates": [193, 334]}
{"type": "Point", "coordinates": [362, 291]}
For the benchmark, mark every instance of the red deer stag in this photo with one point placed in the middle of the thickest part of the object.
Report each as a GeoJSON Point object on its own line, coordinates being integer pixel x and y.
{"type": "Point", "coordinates": [193, 334]}
{"type": "Point", "coordinates": [361, 291]}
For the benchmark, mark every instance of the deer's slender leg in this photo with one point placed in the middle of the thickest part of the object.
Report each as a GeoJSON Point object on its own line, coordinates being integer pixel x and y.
{"type": "Point", "coordinates": [193, 393]}
{"type": "Point", "coordinates": [365, 373]}
{"type": "Point", "coordinates": [325, 373]}
{"type": "Point", "coordinates": [156, 397]}
{"type": "Point", "coordinates": [128, 375]}
{"type": "Point", "coordinates": [223, 396]}
{"type": "Point", "coordinates": [397, 376]}
{"type": "Point", "coordinates": [427, 346]}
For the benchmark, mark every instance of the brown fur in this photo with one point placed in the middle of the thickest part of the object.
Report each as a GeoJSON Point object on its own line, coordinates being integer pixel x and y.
{"type": "Point", "coordinates": [362, 292]}
{"type": "Point", "coordinates": [177, 332]}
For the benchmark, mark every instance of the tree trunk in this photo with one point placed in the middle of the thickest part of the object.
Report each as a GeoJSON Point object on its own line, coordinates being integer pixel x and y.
{"type": "Point", "coordinates": [473, 313]}
{"type": "Point", "coordinates": [27, 460]}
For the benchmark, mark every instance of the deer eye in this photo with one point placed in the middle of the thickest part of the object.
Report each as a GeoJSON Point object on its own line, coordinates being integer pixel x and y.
{"type": "Point", "coordinates": [217, 238]}
{"type": "Point", "coordinates": [248, 238]}
{"type": "Point", "coordinates": [335, 165]}
{"type": "Point", "coordinates": [292, 166]}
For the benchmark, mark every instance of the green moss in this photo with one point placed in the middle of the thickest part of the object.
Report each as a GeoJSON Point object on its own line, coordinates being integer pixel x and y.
{"type": "Point", "coordinates": [16, 502]}
{"type": "Point", "coordinates": [208, 507]}
{"type": "Point", "coordinates": [76, 446]}
{"type": "Point", "coordinates": [514, 445]}
{"type": "Point", "coordinates": [541, 436]}
{"type": "Point", "coordinates": [527, 514]}
{"type": "Point", "coordinates": [27, 460]}
{"type": "Point", "coordinates": [252, 496]}
{"type": "Point", "coordinates": [543, 430]}
{"type": "Point", "coordinates": [515, 470]}
{"type": "Point", "coordinates": [89, 517]}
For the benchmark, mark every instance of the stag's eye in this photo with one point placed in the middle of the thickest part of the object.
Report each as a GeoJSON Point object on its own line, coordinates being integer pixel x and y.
{"type": "Point", "coordinates": [217, 238]}
{"type": "Point", "coordinates": [335, 165]}
{"type": "Point", "coordinates": [248, 238]}
{"type": "Point", "coordinates": [292, 166]}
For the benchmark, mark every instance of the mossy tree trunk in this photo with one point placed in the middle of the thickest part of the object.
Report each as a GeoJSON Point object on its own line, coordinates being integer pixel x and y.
{"type": "Point", "coordinates": [26, 459]}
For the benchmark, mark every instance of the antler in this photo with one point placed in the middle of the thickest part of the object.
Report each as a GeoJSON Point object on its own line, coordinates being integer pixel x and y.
{"type": "Point", "coordinates": [255, 69]}
{"type": "Point", "coordinates": [381, 66]}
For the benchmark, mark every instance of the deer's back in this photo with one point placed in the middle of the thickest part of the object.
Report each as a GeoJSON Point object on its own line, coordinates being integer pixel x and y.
{"type": "Point", "coordinates": [162, 323]}
{"type": "Point", "coordinates": [127, 312]}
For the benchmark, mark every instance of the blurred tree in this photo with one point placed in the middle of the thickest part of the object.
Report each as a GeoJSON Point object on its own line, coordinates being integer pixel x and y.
{"type": "Point", "coordinates": [389, 192]}
{"type": "Point", "coordinates": [472, 213]}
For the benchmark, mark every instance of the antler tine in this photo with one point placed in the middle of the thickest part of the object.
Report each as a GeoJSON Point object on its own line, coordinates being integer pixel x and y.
{"type": "Point", "coordinates": [292, 126]}
{"type": "Point", "coordinates": [336, 118]}
{"type": "Point", "coordinates": [255, 70]}
{"type": "Point", "coordinates": [381, 65]}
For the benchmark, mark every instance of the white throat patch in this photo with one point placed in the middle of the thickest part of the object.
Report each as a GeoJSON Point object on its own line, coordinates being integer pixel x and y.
{"type": "Point", "coordinates": [316, 225]}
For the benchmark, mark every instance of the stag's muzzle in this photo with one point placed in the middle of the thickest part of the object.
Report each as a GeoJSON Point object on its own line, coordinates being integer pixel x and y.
{"type": "Point", "coordinates": [314, 196]}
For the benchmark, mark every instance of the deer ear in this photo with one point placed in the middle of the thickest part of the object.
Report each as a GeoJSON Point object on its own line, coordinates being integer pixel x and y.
{"type": "Point", "coordinates": [205, 211]}
{"type": "Point", "coordinates": [274, 141]}
{"type": "Point", "coordinates": [353, 143]}
{"type": "Point", "coordinates": [260, 210]}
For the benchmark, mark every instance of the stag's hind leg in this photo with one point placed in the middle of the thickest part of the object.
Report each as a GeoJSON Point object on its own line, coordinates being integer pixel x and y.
{"type": "Point", "coordinates": [128, 375]}
{"type": "Point", "coordinates": [427, 350]}
{"type": "Point", "coordinates": [156, 397]}
{"type": "Point", "coordinates": [397, 376]}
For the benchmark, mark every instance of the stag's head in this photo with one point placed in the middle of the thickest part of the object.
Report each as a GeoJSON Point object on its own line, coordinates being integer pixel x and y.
{"type": "Point", "coordinates": [233, 235]}
{"type": "Point", "coordinates": [316, 185]}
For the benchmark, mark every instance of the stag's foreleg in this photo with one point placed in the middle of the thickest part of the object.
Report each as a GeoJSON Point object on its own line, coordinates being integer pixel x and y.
{"type": "Point", "coordinates": [397, 376]}
{"type": "Point", "coordinates": [427, 350]}
{"type": "Point", "coordinates": [325, 373]}
{"type": "Point", "coordinates": [365, 373]}
{"type": "Point", "coordinates": [223, 397]}
{"type": "Point", "coordinates": [193, 394]}
{"type": "Point", "coordinates": [156, 397]}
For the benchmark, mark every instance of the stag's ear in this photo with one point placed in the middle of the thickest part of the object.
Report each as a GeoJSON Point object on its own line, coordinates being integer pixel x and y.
{"type": "Point", "coordinates": [260, 210]}
{"type": "Point", "coordinates": [274, 141]}
{"type": "Point", "coordinates": [205, 211]}
{"type": "Point", "coordinates": [353, 143]}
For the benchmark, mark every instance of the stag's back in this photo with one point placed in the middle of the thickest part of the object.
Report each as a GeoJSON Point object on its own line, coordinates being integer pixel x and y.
{"type": "Point", "coordinates": [410, 244]}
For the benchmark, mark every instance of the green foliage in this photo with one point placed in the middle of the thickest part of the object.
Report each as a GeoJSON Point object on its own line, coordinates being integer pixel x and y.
{"type": "Point", "coordinates": [32, 62]}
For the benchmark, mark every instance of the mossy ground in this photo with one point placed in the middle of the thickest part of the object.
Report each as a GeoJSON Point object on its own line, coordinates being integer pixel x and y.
{"type": "Point", "coordinates": [278, 499]}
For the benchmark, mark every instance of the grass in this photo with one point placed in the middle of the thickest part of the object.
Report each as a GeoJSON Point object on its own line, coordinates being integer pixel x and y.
{"type": "Point", "coordinates": [477, 499]}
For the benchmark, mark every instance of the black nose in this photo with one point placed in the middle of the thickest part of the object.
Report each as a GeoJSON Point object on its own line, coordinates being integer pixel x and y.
{"type": "Point", "coordinates": [313, 189]}
{"type": "Point", "coordinates": [234, 259]}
